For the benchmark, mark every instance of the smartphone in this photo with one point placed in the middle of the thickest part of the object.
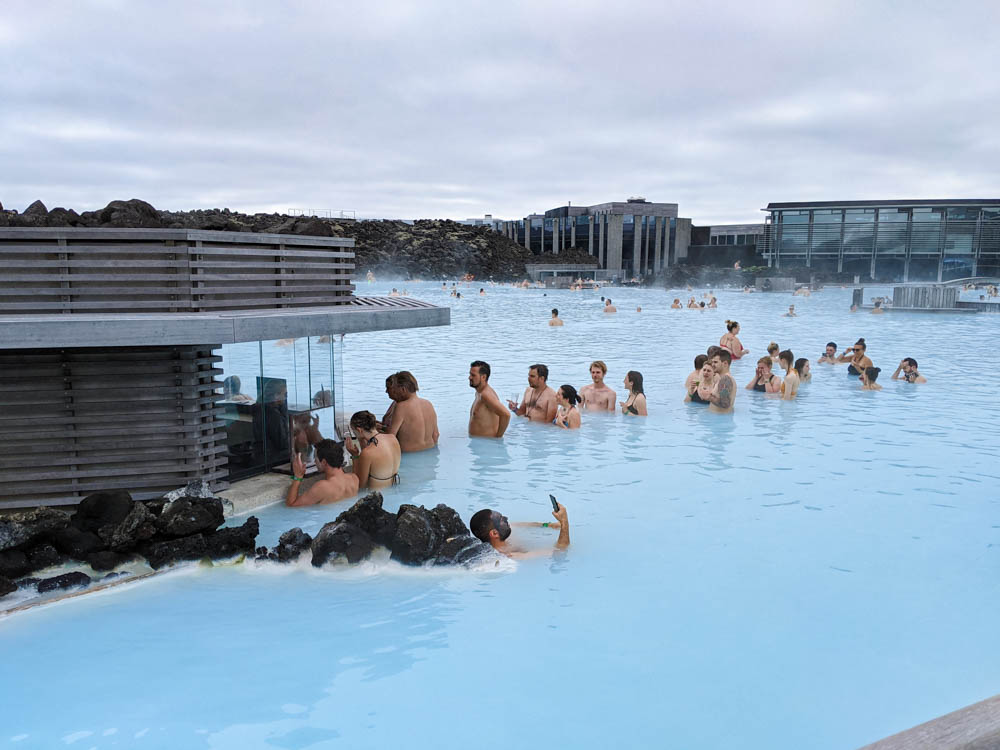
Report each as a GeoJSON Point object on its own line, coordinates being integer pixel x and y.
{"type": "Point", "coordinates": [555, 505]}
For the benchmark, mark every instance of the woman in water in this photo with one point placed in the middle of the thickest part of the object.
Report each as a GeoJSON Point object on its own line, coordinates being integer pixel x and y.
{"type": "Point", "coordinates": [700, 389]}
{"type": "Point", "coordinates": [376, 457]}
{"type": "Point", "coordinates": [730, 342]}
{"type": "Point", "coordinates": [868, 377]}
{"type": "Point", "coordinates": [772, 352]}
{"type": "Point", "coordinates": [802, 368]}
{"type": "Point", "coordinates": [636, 402]}
{"type": "Point", "coordinates": [790, 388]}
{"type": "Point", "coordinates": [764, 380]}
{"type": "Point", "coordinates": [567, 415]}
{"type": "Point", "coordinates": [857, 358]}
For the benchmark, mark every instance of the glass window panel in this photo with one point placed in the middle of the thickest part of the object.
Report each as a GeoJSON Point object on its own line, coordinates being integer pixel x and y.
{"type": "Point", "coordinates": [241, 367]}
{"type": "Point", "coordinates": [892, 215]}
{"type": "Point", "coordinates": [827, 217]}
{"type": "Point", "coordinates": [966, 214]}
{"type": "Point", "coordinates": [795, 218]}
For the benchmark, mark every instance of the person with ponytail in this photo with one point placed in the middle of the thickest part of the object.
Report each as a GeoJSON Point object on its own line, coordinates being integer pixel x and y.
{"type": "Point", "coordinates": [567, 415]}
{"type": "Point", "coordinates": [730, 342]}
{"type": "Point", "coordinates": [857, 358]}
{"type": "Point", "coordinates": [790, 386]}
{"type": "Point", "coordinates": [376, 456]}
{"type": "Point", "coordinates": [868, 377]}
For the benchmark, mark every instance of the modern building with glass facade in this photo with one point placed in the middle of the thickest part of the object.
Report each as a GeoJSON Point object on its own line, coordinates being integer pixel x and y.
{"type": "Point", "coordinates": [892, 240]}
{"type": "Point", "coordinates": [628, 238]}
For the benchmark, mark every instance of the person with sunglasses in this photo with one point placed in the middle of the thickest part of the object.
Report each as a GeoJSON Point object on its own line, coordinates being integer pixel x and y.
{"type": "Point", "coordinates": [856, 358]}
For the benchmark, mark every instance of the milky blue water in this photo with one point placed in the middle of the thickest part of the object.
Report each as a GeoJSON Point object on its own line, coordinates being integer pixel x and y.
{"type": "Point", "coordinates": [817, 573]}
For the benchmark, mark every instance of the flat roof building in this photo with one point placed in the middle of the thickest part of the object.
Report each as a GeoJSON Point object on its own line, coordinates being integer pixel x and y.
{"type": "Point", "coordinates": [888, 240]}
{"type": "Point", "coordinates": [628, 238]}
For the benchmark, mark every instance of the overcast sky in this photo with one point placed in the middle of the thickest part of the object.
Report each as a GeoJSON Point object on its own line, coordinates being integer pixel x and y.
{"type": "Point", "coordinates": [416, 109]}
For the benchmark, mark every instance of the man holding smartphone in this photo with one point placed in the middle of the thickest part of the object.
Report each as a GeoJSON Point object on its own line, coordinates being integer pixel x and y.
{"type": "Point", "coordinates": [492, 527]}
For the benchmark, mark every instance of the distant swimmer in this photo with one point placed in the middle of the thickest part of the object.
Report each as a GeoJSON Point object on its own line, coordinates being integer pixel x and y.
{"type": "Point", "coordinates": [790, 386]}
{"type": "Point", "coordinates": [909, 372]}
{"type": "Point", "coordinates": [730, 341]}
{"type": "Point", "coordinates": [538, 403]}
{"type": "Point", "coordinates": [692, 304]}
{"type": "Point", "coordinates": [555, 320]}
{"type": "Point", "coordinates": [676, 304]}
{"type": "Point", "coordinates": [597, 396]}
{"type": "Point", "coordinates": [724, 395]}
{"type": "Point", "coordinates": [877, 310]}
{"type": "Point", "coordinates": [699, 391]}
{"type": "Point", "coordinates": [635, 404]}
{"type": "Point", "coordinates": [868, 378]}
{"type": "Point", "coordinates": [493, 528]}
{"type": "Point", "coordinates": [764, 379]}
{"type": "Point", "coordinates": [829, 357]}
{"type": "Point", "coordinates": [394, 292]}
{"type": "Point", "coordinates": [412, 419]}
{"type": "Point", "coordinates": [335, 485]}
{"type": "Point", "coordinates": [713, 304]}
{"type": "Point", "coordinates": [772, 351]}
{"type": "Point", "coordinates": [487, 418]}
{"type": "Point", "coordinates": [370, 276]}
{"type": "Point", "coordinates": [638, 309]}
{"type": "Point", "coordinates": [376, 456]}
{"type": "Point", "coordinates": [567, 415]}
{"type": "Point", "coordinates": [790, 313]}
{"type": "Point", "coordinates": [608, 307]}
{"type": "Point", "coordinates": [482, 292]}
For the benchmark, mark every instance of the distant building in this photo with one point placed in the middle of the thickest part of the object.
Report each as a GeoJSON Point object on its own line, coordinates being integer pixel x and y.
{"type": "Point", "coordinates": [629, 238]}
{"type": "Point", "coordinates": [486, 221]}
{"type": "Point", "coordinates": [725, 244]}
{"type": "Point", "coordinates": [890, 240]}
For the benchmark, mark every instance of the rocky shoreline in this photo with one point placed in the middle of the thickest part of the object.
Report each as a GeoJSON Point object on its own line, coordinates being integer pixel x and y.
{"type": "Point", "coordinates": [428, 249]}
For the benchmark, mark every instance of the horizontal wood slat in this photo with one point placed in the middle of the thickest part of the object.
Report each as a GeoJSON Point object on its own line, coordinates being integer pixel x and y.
{"type": "Point", "coordinates": [77, 421]}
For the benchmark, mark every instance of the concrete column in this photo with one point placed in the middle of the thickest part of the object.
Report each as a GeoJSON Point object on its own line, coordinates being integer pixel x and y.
{"type": "Point", "coordinates": [599, 225]}
{"type": "Point", "coordinates": [591, 248]}
{"type": "Point", "coordinates": [658, 245]}
{"type": "Point", "coordinates": [572, 232]}
{"type": "Point", "coordinates": [682, 239]}
{"type": "Point", "coordinates": [636, 246]}
{"type": "Point", "coordinates": [616, 223]}
{"type": "Point", "coordinates": [527, 233]}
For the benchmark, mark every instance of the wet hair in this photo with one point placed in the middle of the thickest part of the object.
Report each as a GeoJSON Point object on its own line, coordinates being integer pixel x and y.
{"type": "Point", "coordinates": [724, 355]}
{"type": "Point", "coordinates": [599, 365]}
{"type": "Point", "coordinates": [484, 368]}
{"type": "Point", "coordinates": [482, 523]}
{"type": "Point", "coordinates": [542, 370]}
{"type": "Point", "coordinates": [569, 393]}
{"type": "Point", "coordinates": [871, 373]}
{"type": "Point", "coordinates": [833, 344]}
{"type": "Point", "coordinates": [861, 343]}
{"type": "Point", "coordinates": [405, 380]}
{"type": "Point", "coordinates": [772, 347]}
{"type": "Point", "coordinates": [765, 361]}
{"type": "Point", "coordinates": [800, 365]}
{"type": "Point", "coordinates": [911, 362]}
{"type": "Point", "coordinates": [331, 452]}
{"type": "Point", "coordinates": [363, 420]}
{"type": "Point", "coordinates": [878, 303]}
{"type": "Point", "coordinates": [635, 378]}
{"type": "Point", "coordinates": [608, 300]}
{"type": "Point", "coordinates": [713, 350]}
{"type": "Point", "coordinates": [700, 361]}
{"type": "Point", "coordinates": [787, 356]}
{"type": "Point", "coordinates": [730, 325]}
{"type": "Point", "coordinates": [555, 311]}
{"type": "Point", "coordinates": [701, 304]}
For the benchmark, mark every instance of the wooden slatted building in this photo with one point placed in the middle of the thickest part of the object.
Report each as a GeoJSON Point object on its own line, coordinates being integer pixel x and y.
{"type": "Point", "coordinates": [109, 341]}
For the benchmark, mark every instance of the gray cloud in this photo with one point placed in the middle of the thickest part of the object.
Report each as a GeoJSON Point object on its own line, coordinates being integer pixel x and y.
{"type": "Point", "coordinates": [455, 109]}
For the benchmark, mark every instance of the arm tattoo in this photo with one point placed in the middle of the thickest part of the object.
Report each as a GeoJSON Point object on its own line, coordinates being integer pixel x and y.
{"type": "Point", "coordinates": [725, 392]}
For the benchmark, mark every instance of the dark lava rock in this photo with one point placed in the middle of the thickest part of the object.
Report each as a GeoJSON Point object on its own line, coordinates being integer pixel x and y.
{"type": "Point", "coordinates": [130, 213]}
{"type": "Point", "coordinates": [44, 556]}
{"type": "Point", "coordinates": [187, 548]}
{"type": "Point", "coordinates": [76, 543]}
{"type": "Point", "coordinates": [65, 581]}
{"type": "Point", "coordinates": [339, 538]}
{"type": "Point", "coordinates": [61, 217]}
{"type": "Point", "coordinates": [14, 563]}
{"type": "Point", "coordinates": [190, 515]}
{"type": "Point", "coordinates": [138, 526]}
{"type": "Point", "coordinates": [18, 529]}
{"type": "Point", "coordinates": [156, 506]}
{"type": "Point", "coordinates": [7, 586]}
{"type": "Point", "coordinates": [105, 560]}
{"type": "Point", "coordinates": [417, 537]}
{"type": "Point", "coordinates": [262, 551]}
{"type": "Point", "coordinates": [194, 488]}
{"type": "Point", "coordinates": [102, 509]}
{"type": "Point", "coordinates": [233, 540]}
{"type": "Point", "coordinates": [27, 583]}
{"type": "Point", "coordinates": [303, 225]}
{"type": "Point", "coordinates": [36, 209]}
{"type": "Point", "coordinates": [369, 516]}
{"type": "Point", "coordinates": [449, 522]}
{"type": "Point", "coordinates": [291, 544]}
{"type": "Point", "coordinates": [461, 550]}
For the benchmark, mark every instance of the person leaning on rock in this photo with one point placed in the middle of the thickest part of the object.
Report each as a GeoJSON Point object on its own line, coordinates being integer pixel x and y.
{"type": "Point", "coordinates": [492, 527]}
{"type": "Point", "coordinates": [335, 484]}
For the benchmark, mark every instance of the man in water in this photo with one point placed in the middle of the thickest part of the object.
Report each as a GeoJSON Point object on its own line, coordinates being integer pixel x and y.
{"type": "Point", "coordinates": [722, 398]}
{"type": "Point", "coordinates": [830, 355]}
{"type": "Point", "coordinates": [539, 401]}
{"type": "Point", "coordinates": [608, 307]}
{"type": "Point", "coordinates": [413, 419]}
{"type": "Point", "coordinates": [910, 373]}
{"type": "Point", "coordinates": [597, 396]}
{"type": "Point", "coordinates": [790, 313]}
{"type": "Point", "coordinates": [877, 310]}
{"type": "Point", "coordinates": [335, 484]}
{"type": "Point", "coordinates": [676, 304]}
{"type": "Point", "coordinates": [555, 320]}
{"type": "Point", "coordinates": [493, 528]}
{"type": "Point", "coordinates": [487, 418]}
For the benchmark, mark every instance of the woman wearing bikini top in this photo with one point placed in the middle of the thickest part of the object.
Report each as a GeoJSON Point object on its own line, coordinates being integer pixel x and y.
{"type": "Point", "coordinates": [700, 390]}
{"type": "Point", "coordinates": [377, 456]}
{"type": "Point", "coordinates": [635, 405]}
{"type": "Point", "coordinates": [567, 415]}
{"type": "Point", "coordinates": [764, 380]}
{"type": "Point", "coordinates": [857, 357]}
{"type": "Point", "coordinates": [731, 343]}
